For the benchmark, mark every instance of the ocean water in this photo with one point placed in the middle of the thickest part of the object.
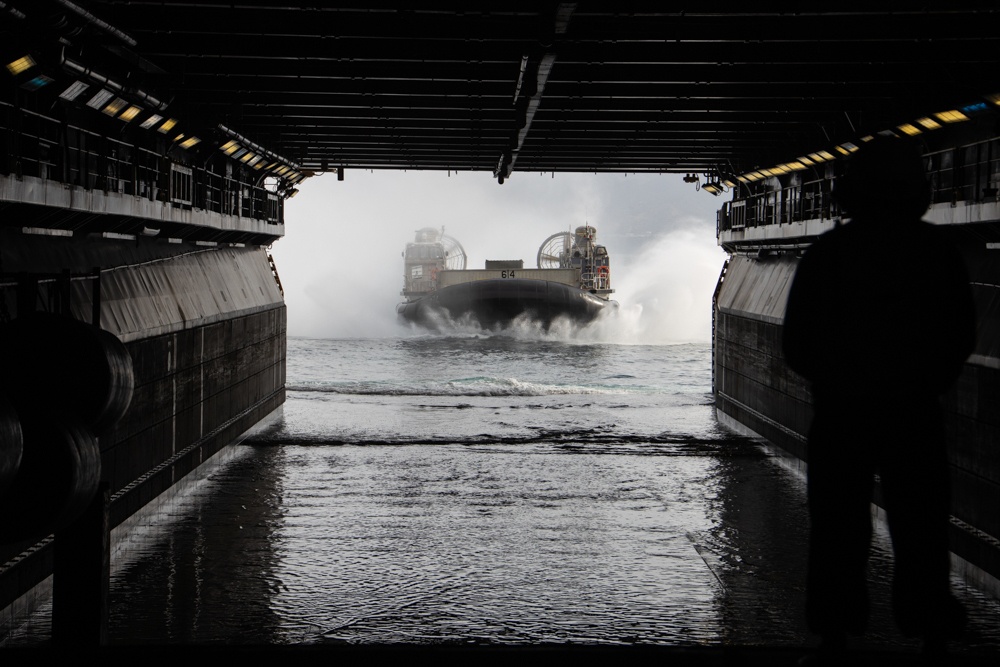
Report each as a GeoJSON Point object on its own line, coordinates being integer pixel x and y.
{"type": "Point", "coordinates": [489, 489]}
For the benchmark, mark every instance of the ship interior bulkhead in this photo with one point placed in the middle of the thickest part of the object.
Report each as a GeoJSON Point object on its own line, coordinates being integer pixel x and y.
{"type": "Point", "coordinates": [148, 149]}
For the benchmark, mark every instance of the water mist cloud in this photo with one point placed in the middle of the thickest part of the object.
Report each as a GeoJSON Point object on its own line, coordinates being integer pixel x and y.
{"type": "Point", "coordinates": [341, 264]}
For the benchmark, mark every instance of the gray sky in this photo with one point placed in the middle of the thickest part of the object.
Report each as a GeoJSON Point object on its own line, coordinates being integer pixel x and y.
{"type": "Point", "coordinates": [341, 266]}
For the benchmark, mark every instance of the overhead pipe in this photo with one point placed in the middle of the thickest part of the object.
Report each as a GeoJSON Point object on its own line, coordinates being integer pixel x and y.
{"type": "Point", "coordinates": [98, 23]}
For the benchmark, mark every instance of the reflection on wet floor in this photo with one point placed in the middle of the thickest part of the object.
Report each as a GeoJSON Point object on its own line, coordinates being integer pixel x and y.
{"type": "Point", "coordinates": [488, 545]}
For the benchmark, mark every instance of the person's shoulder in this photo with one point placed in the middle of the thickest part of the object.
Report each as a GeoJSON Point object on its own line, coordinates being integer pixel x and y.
{"type": "Point", "coordinates": [830, 241]}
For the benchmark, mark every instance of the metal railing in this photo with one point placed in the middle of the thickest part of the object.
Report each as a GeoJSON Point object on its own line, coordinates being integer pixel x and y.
{"type": "Point", "coordinates": [32, 144]}
{"type": "Point", "coordinates": [968, 173]}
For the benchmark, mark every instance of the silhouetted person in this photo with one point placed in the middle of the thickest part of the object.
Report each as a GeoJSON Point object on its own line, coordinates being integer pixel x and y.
{"type": "Point", "coordinates": [880, 319]}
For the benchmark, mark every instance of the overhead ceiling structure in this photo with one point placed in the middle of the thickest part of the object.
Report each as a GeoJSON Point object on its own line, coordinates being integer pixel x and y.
{"type": "Point", "coordinates": [547, 86]}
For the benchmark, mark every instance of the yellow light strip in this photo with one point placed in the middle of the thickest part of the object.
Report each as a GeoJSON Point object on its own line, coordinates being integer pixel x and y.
{"type": "Point", "coordinates": [22, 64]}
{"type": "Point", "coordinates": [114, 107]}
{"type": "Point", "coordinates": [909, 129]}
{"type": "Point", "coordinates": [230, 147]}
{"type": "Point", "coordinates": [129, 114]}
{"type": "Point", "coordinates": [953, 116]}
{"type": "Point", "coordinates": [167, 125]}
{"type": "Point", "coordinates": [190, 141]}
{"type": "Point", "coordinates": [928, 123]}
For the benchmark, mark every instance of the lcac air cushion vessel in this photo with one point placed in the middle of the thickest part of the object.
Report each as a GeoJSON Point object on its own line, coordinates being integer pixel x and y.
{"type": "Point", "coordinates": [572, 281]}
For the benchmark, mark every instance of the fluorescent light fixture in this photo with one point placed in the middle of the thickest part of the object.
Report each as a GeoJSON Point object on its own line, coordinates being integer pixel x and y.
{"type": "Point", "coordinates": [115, 107]}
{"type": "Point", "coordinates": [230, 147]}
{"type": "Point", "coordinates": [909, 129]}
{"type": "Point", "coordinates": [953, 116]}
{"type": "Point", "coordinates": [209, 244]}
{"type": "Point", "coordinates": [74, 91]}
{"type": "Point", "coordinates": [994, 99]}
{"type": "Point", "coordinates": [129, 114]}
{"type": "Point", "coordinates": [151, 121]}
{"type": "Point", "coordinates": [806, 161]}
{"type": "Point", "coordinates": [754, 176]}
{"type": "Point", "coordinates": [22, 64]}
{"type": "Point", "coordinates": [826, 155]}
{"type": "Point", "coordinates": [37, 82]}
{"type": "Point", "coordinates": [794, 166]}
{"type": "Point", "coordinates": [99, 99]}
{"type": "Point", "coordinates": [167, 125]}
{"type": "Point", "coordinates": [713, 188]}
{"type": "Point", "coordinates": [190, 141]}
{"type": "Point", "coordinates": [928, 123]}
{"type": "Point", "coordinates": [847, 148]}
{"type": "Point", "coordinates": [248, 156]}
{"type": "Point", "coordinates": [45, 231]}
{"type": "Point", "coordinates": [743, 179]}
{"type": "Point", "coordinates": [178, 137]}
{"type": "Point", "coordinates": [729, 183]}
{"type": "Point", "coordinates": [259, 165]}
{"type": "Point", "coordinates": [118, 237]}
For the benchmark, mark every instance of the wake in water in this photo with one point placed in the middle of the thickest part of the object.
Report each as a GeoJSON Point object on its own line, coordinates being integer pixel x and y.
{"type": "Point", "coordinates": [491, 388]}
{"type": "Point", "coordinates": [524, 327]}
